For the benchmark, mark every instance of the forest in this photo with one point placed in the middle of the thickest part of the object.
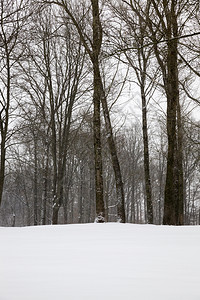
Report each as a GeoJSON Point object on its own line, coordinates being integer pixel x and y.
{"type": "Point", "coordinates": [99, 112]}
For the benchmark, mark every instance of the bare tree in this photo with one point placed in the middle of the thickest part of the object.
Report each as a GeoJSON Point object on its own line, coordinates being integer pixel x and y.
{"type": "Point", "coordinates": [133, 32]}
{"type": "Point", "coordinates": [93, 49]}
{"type": "Point", "coordinates": [161, 18]}
{"type": "Point", "coordinates": [51, 76]}
{"type": "Point", "coordinates": [13, 15]}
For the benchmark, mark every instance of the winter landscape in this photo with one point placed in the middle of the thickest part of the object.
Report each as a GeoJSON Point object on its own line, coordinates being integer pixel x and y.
{"type": "Point", "coordinates": [99, 136]}
{"type": "Point", "coordinates": [100, 261]}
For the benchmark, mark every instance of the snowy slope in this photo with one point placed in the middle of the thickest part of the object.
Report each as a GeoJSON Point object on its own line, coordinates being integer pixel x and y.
{"type": "Point", "coordinates": [100, 261]}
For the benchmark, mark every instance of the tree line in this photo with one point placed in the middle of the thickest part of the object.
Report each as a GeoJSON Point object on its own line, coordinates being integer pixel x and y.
{"type": "Point", "coordinates": [65, 68]}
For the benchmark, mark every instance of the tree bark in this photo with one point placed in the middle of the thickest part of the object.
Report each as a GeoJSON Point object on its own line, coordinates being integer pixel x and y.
{"type": "Point", "coordinates": [146, 159]}
{"type": "Point", "coordinates": [179, 170]}
{"type": "Point", "coordinates": [45, 191]}
{"type": "Point", "coordinates": [2, 165]}
{"type": "Point", "coordinates": [100, 209]}
{"type": "Point", "coordinates": [96, 47]}
{"type": "Point", "coordinates": [35, 180]}
{"type": "Point", "coordinates": [115, 161]}
{"type": "Point", "coordinates": [98, 85]}
{"type": "Point", "coordinates": [172, 101]}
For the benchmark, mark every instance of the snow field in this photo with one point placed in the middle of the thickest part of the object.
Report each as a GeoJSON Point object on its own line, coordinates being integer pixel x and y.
{"type": "Point", "coordinates": [100, 261]}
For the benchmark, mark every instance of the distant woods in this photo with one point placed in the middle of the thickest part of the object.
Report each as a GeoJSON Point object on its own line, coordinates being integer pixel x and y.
{"type": "Point", "coordinates": [98, 108]}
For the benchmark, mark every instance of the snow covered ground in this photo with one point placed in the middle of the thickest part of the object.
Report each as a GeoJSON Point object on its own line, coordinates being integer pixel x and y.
{"type": "Point", "coordinates": [100, 261]}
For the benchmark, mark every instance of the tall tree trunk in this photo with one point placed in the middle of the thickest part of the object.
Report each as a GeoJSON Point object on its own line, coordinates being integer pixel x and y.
{"type": "Point", "coordinates": [96, 46]}
{"type": "Point", "coordinates": [169, 202]}
{"type": "Point", "coordinates": [100, 209]}
{"type": "Point", "coordinates": [115, 160]}
{"type": "Point", "coordinates": [113, 152]}
{"type": "Point", "coordinates": [45, 191]}
{"type": "Point", "coordinates": [2, 165]}
{"type": "Point", "coordinates": [179, 169]}
{"type": "Point", "coordinates": [146, 158]}
{"type": "Point", "coordinates": [172, 101]}
{"type": "Point", "coordinates": [35, 182]}
{"type": "Point", "coordinates": [58, 200]}
{"type": "Point", "coordinates": [80, 198]}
